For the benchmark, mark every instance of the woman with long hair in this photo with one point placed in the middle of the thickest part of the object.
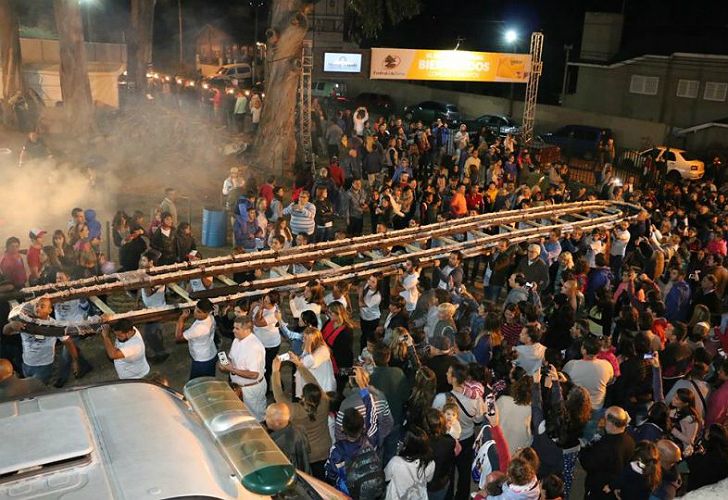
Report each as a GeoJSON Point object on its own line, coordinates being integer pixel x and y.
{"type": "Point", "coordinates": [422, 396]}
{"type": "Point", "coordinates": [408, 473]}
{"type": "Point", "coordinates": [443, 452]}
{"type": "Point", "coordinates": [312, 299]}
{"type": "Point", "coordinates": [120, 228]}
{"type": "Point", "coordinates": [50, 264]}
{"type": "Point", "coordinates": [317, 358]}
{"type": "Point", "coordinates": [338, 334]}
{"type": "Point", "coordinates": [488, 338]}
{"type": "Point", "coordinates": [514, 409]}
{"type": "Point", "coordinates": [641, 476]}
{"type": "Point", "coordinates": [281, 228]}
{"type": "Point", "coordinates": [64, 250]}
{"type": "Point", "coordinates": [185, 241]}
{"type": "Point", "coordinates": [565, 421]}
{"type": "Point", "coordinates": [309, 413]}
{"type": "Point", "coordinates": [685, 420]}
{"type": "Point", "coordinates": [511, 324]}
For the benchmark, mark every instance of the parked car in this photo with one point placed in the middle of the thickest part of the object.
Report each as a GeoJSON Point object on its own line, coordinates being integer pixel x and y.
{"type": "Point", "coordinates": [377, 103]}
{"type": "Point", "coordinates": [680, 164]}
{"type": "Point", "coordinates": [429, 111]}
{"type": "Point", "coordinates": [498, 124]}
{"type": "Point", "coordinates": [238, 70]}
{"type": "Point", "coordinates": [577, 140]}
{"type": "Point", "coordinates": [328, 89]}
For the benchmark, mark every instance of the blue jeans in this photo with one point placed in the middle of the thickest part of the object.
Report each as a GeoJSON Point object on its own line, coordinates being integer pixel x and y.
{"type": "Point", "coordinates": [203, 368]}
{"type": "Point", "coordinates": [324, 234]}
{"type": "Point", "coordinates": [42, 373]}
{"type": "Point", "coordinates": [64, 369]}
{"type": "Point", "coordinates": [591, 427]}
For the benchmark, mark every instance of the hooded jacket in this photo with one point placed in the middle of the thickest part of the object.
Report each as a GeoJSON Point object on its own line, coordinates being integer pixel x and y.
{"type": "Point", "coordinates": [94, 226]}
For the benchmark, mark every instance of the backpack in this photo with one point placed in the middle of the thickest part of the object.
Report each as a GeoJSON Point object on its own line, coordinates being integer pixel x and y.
{"type": "Point", "coordinates": [364, 475]}
{"type": "Point", "coordinates": [486, 456]}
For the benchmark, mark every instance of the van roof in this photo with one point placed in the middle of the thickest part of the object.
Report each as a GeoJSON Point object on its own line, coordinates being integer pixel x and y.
{"type": "Point", "coordinates": [109, 442]}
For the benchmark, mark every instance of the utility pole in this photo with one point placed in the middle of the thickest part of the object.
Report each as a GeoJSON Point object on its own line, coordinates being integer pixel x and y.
{"type": "Point", "coordinates": [181, 46]}
{"type": "Point", "coordinates": [568, 49]}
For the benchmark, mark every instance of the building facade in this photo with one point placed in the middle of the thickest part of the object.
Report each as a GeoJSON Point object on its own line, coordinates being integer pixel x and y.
{"type": "Point", "coordinates": [681, 90]}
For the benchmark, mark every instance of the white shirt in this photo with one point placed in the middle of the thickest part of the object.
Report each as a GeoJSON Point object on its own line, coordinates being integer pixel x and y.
{"type": "Point", "coordinates": [407, 480]}
{"type": "Point", "coordinates": [445, 284]}
{"type": "Point", "coordinates": [620, 239]}
{"type": "Point", "coordinates": [329, 299]}
{"type": "Point", "coordinates": [593, 375]}
{"type": "Point", "coordinates": [269, 335]}
{"type": "Point", "coordinates": [370, 311]}
{"type": "Point", "coordinates": [71, 310]}
{"type": "Point", "coordinates": [319, 364]}
{"type": "Point", "coordinates": [156, 299]}
{"type": "Point", "coordinates": [410, 292]}
{"type": "Point", "coordinates": [134, 363]}
{"type": "Point", "coordinates": [38, 350]}
{"type": "Point", "coordinates": [247, 354]}
{"type": "Point", "coordinates": [200, 337]}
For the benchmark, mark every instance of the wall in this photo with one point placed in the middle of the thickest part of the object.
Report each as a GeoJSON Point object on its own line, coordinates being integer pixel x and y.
{"type": "Point", "coordinates": [36, 50]}
{"type": "Point", "coordinates": [606, 89]}
{"type": "Point", "coordinates": [629, 133]}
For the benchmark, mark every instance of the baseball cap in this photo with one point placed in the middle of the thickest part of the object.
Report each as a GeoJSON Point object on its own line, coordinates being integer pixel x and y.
{"type": "Point", "coordinates": [36, 233]}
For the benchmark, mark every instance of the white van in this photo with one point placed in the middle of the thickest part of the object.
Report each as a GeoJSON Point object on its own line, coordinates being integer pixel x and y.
{"type": "Point", "coordinates": [240, 71]}
{"type": "Point", "coordinates": [136, 440]}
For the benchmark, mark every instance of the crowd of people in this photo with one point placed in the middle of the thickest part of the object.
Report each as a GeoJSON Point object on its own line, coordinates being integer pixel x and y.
{"type": "Point", "coordinates": [498, 374]}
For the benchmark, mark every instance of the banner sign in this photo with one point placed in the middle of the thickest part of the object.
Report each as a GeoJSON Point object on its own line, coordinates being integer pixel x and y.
{"type": "Point", "coordinates": [342, 62]}
{"type": "Point", "coordinates": [451, 65]}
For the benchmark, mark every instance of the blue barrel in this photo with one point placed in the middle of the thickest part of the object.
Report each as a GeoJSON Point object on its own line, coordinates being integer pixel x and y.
{"type": "Point", "coordinates": [214, 228]}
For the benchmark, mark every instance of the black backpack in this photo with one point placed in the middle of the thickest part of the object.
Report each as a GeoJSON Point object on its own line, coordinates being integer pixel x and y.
{"type": "Point", "coordinates": [364, 475]}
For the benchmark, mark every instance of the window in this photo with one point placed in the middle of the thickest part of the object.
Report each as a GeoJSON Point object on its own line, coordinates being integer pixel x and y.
{"type": "Point", "coordinates": [688, 88]}
{"type": "Point", "coordinates": [646, 85]}
{"type": "Point", "coordinates": [715, 91]}
{"type": "Point", "coordinates": [669, 156]}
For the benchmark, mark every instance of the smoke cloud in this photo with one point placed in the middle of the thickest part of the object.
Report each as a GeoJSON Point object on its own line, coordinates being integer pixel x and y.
{"type": "Point", "coordinates": [137, 153]}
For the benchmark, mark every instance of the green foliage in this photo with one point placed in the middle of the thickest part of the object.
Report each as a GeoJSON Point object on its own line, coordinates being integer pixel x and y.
{"type": "Point", "coordinates": [372, 15]}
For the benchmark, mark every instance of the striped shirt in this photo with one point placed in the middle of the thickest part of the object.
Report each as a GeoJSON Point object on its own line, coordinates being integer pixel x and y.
{"type": "Point", "coordinates": [381, 417]}
{"type": "Point", "coordinates": [302, 219]}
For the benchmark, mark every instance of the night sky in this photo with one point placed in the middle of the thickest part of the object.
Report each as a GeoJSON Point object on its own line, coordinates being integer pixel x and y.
{"type": "Point", "coordinates": [651, 26]}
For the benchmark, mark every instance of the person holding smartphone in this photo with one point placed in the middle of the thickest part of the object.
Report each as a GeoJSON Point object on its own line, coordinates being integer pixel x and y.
{"type": "Point", "coordinates": [246, 366]}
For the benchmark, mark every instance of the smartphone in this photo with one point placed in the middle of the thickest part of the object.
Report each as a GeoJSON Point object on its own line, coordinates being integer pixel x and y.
{"type": "Point", "coordinates": [490, 404]}
{"type": "Point", "coordinates": [284, 357]}
{"type": "Point", "coordinates": [222, 357]}
{"type": "Point", "coordinates": [648, 356]}
{"type": "Point", "coordinates": [721, 353]}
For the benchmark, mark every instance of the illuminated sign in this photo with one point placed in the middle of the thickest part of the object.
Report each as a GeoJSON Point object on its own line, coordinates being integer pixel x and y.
{"type": "Point", "coordinates": [340, 62]}
{"type": "Point", "coordinates": [451, 65]}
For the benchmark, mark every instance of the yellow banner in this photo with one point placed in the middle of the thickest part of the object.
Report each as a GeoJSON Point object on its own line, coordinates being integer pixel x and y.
{"type": "Point", "coordinates": [452, 65]}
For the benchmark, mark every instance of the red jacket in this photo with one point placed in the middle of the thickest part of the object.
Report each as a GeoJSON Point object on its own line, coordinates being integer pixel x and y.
{"type": "Point", "coordinates": [266, 191]}
{"type": "Point", "coordinates": [337, 174]}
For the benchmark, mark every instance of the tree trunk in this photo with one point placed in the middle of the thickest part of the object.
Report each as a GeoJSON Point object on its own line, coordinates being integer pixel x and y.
{"type": "Point", "coordinates": [275, 146]}
{"type": "Point", "coordinates": [75, 88]}
{"type": "Point", "coordinates": [10, 61]}
{"type": "Point", "coordinates": [139, 42]}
